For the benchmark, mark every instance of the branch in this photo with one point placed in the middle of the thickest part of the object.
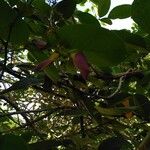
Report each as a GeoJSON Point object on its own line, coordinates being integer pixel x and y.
{"type": "Point", "coordinates": [50, 92]}
{"type": "Point", "coordinates": [10, 71]}
{"type": "Point", "coordinates": [117, 90]}
{"type": "Point", "coordinates": [31, 123]}
{"type": "Point", "coordinates": [128, 74]}
{"type": "Point", "coordinates": [31, 111]}
{"type": "Point", "coordinates": [14, 105]}
{"type": "Point", "coordinates": [6, 45]}
{"type": "Point", "coordinates": [82, 127]}
{"type": "Point", "coordinates": [145, 144]}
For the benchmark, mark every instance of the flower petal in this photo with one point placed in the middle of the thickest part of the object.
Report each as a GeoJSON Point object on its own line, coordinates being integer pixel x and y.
{"type": "Point", "coordinates": [40, 44]}
{"type": "Point", "coordinates": [43, 65]}
{"type": "Point", "coordinates": [47, 62]}
{"type": "Point", "coordinates": [81, 63]}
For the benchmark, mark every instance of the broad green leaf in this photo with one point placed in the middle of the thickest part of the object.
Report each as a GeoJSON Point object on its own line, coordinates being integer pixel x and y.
{"type": "Point", "coordinates": [132, 41]}
{"type": "Point", "coordinates": [20, 32]}
{"type": "Point", "coordinates": [95, 1]}
{"type": "Point", "coordinates": [25, 9]}
{"type": "Point", "coordinates": [144, 103]}
{"type": "Point", "coordinates": [37, 28]}
{"type": "Point", "coordinates": [103, 7]}
{"type": "Point", "coordinates": [22, 84]}
{"type": "Point", "coordinates": [10, 142]}
{"type": "Point", "coordinates": [141, 13]}
{"type": "Point", "coordinates": [115, 143]}
{"type": "Point", "coordinates": [118, 98]}
{"type": "Point", "coordinates": [118, 111]}
{"type": "Point", "coordinates": [64, 9]}
{"type": "Point", "coordinates": [107, 20]}
{"type": "Point", "coordinates": [121, 12]}
{"type": "Point", "coordinates": [7, 17]}
{"type": "Point", "coordinates": [41, 6]}
{"type": "Point", "coordinates": [101, 46]}
{"type": "Point", "coordinates": [26, 136]}
{"type": "Point", "coordinates": [86, 18]}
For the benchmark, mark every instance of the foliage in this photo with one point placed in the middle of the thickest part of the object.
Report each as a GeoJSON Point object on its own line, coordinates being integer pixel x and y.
{"type": "Point", "coordinates": [67, 82]}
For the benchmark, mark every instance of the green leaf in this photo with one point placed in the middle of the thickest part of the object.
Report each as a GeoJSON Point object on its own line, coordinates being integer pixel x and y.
{"type": "Point", "coordinates": [9, 142]}
{"type": "Point", "coordinates": [26, 136]}
{"type": "Point", "coordinates": [20, 32]}
{"type": "Point", "coordinates": [86, 18]}
{"type": "Point", "coordinates": [121, 12]}
{"type": "Point", "coordinates": [7, 17]}
{"type": "Point", "coordinates": [95, 1]}
{"type": "Point", "coordinates": [64, 9]}
{"type": "Point", "coordinates": [132, 41]}
{"type": "Point", "coordinates": [101, 46]}
{"type": "Point", "coordinates": [37, 28]}
{"type": "Point", "coordinates": [22, 84]}
{"type": "Point", "coordinates": [13, 2]}
{"type": "Point", "coordinates": [144, 103]}
{"type": "Point", "coordinates": [25, 9]}
{"type": "Point", "coordinates": [118, 98]}
{"type": "Point", "coordinates": [141, 13]}
{"type": "Point", "coordinates": [80, 1]}
{"type": "Point", "coordinates": [107, 20]}
{"type": "Point", "coordinates": [42, 7]}
{"type": "Point", "coordinates": [115, 143]}
{"type": "Point", "coordinates": [118, 111]}
{"type": "Point", "coordinates": [103, 7]}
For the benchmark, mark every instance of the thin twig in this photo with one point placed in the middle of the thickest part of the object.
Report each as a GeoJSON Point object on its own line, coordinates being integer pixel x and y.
{"type": "Point", "coordinates": [118, 88]}
{"type": "Point", "coordinates": [128, 74]}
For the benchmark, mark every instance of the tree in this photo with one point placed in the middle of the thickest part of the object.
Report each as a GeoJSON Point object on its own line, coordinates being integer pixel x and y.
{"type": "Point", "coordinates": [67, 82]}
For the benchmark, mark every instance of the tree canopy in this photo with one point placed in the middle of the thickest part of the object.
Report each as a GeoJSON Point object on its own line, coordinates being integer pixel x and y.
{"type": "Point", "coordinates": [68, 82]}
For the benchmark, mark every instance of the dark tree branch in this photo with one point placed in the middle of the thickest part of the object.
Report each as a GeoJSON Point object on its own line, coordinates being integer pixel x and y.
{"type": "Point", "coordinates": [82, 127]}
{"type": "Point", "coordinates": [33, 111]}
{"type": "Point", "coordinates": [31, 123]}
{"type": "Point", "coordinates": [14, 105]}
{"type": "Point", "coordinates": [6, 46]}
{"type": "Point", "coordinates": [11, 72]}
{"type": "Point", "coordinates": [145, 144]}
{"type": "Point", "coordinates": [128, 74]}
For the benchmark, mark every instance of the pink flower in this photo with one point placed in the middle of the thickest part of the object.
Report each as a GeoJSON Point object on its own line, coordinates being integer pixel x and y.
{"type": "Point", "coordinates": [43, 65]}
{"type": "Point", "coordinates": [81, 63]}
{"type": "Point", "coordinates": [40, 44]}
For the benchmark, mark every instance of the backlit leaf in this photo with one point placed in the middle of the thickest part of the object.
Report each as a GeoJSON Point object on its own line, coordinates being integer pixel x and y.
{"type": "Point", "coordinates": [115, 143]}
{"type": "Point", "coordinates": [101, 46]}
{"type": "Point", "coordinates": [86, 18]}
{"type": "Point", "coordinates": [103, 7]}
{"type": "Point", "coordinates": [64, 9]}
{"type": "Point", "coordinates": [121, 12]}
{"type": "Point", "coordinates": [20, 32]}
{"type": "Point", "coordinates": [141, 13]}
